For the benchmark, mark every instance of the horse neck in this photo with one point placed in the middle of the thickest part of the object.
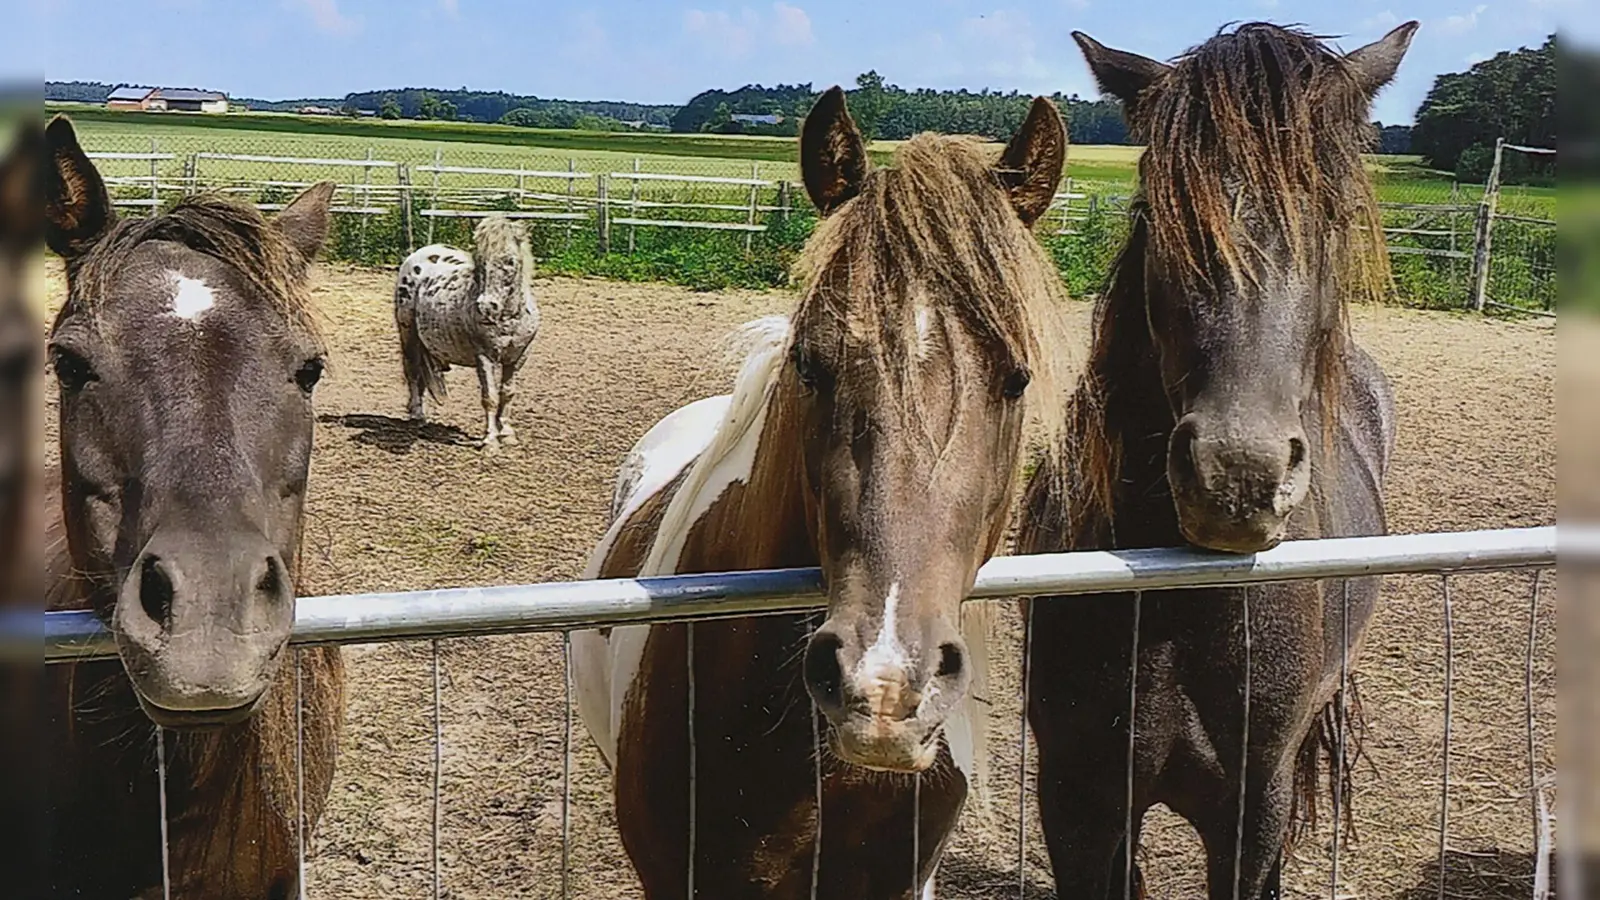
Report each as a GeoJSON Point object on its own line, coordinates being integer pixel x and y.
{"type": "Point", "coordinates": [1131, 413]}
{"type": "Point", "coordinates": [237, 793]}
{"type": "Point", "coordinates": [519, 287]}
{"type": "Point", "coordinates": [762, 521]}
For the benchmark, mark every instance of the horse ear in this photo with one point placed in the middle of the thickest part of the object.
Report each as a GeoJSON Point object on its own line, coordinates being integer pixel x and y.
{"type": "Point", "coordinates": [305, 220]}
{"type": "Point", "coordinates": [833, 158]}
{"type": "Point", "coordinates": [1375, 64]}
{"type": "Point", "coordinates": [77, 209]}
{"type": "Point", "coordinates": [21, 217]}
{"type": "Point", "coordinates": [1121, 74]}
{"type": "Point", "coordinates": [1031, 166]}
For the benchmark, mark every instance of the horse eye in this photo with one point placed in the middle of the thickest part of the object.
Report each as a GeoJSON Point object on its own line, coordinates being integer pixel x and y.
{"type": "Point", "coordinates": [72, 370]}
{"type": "Point", "coordinates": [1015, 384]}
{"type": "Point", "coordinates": [812, 374]}
{"type": "Point", "coordinates": [309, 374]}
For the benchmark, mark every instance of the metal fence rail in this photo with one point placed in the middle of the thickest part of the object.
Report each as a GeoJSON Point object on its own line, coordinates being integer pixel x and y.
{"type": "Point", "coordinates": [561, 607]}
{"type": "Point", "coordinates": [558, 606]}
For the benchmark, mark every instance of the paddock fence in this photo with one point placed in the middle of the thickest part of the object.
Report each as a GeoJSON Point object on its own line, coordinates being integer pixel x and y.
{"type": "Point", "coordinates": [439, 615]}
{"type": "Point", "coordinates": [730, 222]}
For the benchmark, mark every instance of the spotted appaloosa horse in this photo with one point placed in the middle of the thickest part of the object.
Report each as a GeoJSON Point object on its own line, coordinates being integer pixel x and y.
{"type": "Point", "coordinates": [186, 358]}
{"type": "Point", "coordinates": [875, 432]}
{"type": "Point", "coordinates": [1226, 405]}
{"type": "Point", "coordinates": [455, 308]}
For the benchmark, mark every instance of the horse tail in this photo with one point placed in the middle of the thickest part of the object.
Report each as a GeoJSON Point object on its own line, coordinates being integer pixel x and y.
{"type": "Point", "coordinates": [1321, 747]}
{"type": "Point", "coordinates": [419, 365]}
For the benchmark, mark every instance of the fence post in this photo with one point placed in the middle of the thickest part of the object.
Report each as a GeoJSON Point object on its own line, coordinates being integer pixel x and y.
{"type": "Point", "coordinates": [191, 173]}
{"type": "Point", "coordinates": [402, 174]}
{"type": "Point", "coordinates": [783, 201]}
{"type": "Point", "coordinates": [572, 179]}
{"type": "Point", "coordinates": [366, 202]}
{"type": "Point", "coordinates": [602, 212]}
{"type": "Point", "coordinates": [1485, 229]}
{"type": "Point", "coordinates": [755, 175]}
{"type": "Point", "coordinates": [155, 180]}
{"type": "Point", "coordinates": [433, 200]}
{"type": "Point", "coordinates": [633, 205]}
{"type": "Point", "coordinates": [1066, 204]}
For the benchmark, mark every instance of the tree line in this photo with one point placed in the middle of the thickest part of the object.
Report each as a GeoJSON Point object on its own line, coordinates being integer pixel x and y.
{"type": "Point", "coordinates": [1511, 96]}
{"type": "Point", "coordinates": [495, 106]}
{"type": "Point", "coordinates": [889, 112]}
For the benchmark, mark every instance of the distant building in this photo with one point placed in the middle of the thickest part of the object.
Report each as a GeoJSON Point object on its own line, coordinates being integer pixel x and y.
{"type": "Point", "coordinates": [317, 111]}
{"type": "Point", "coordinates": [133, 98]}
{"type": "Point", "coordinates": [162, 99]}
{"type": "Point", "coordinates": [761, 119]}
{"type": "Point", "coordinates": [186, 100]}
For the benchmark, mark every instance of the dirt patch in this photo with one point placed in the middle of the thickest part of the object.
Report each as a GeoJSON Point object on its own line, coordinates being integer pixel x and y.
{"type": "Point", "coordinates": [395, 506]}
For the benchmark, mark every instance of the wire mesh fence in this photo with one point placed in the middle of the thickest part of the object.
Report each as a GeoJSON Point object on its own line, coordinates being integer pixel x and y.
{"type": "Point", "coordinates": [1330, 865]}
{"type": "Point", "coordinates": [735, 222]}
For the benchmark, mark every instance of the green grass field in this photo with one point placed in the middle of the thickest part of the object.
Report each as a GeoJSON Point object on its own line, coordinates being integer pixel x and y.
{"type": "Point", "coordinates": [1108, 169]}
{"type": "Point", "coordinates": [1083, 248]}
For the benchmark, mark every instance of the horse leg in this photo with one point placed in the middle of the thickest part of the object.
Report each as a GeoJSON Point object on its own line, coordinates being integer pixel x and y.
{"type": "Point", "coordinates": [1137, 893]}
{"type": "Point", "coordinates": [489, 385]}
{"type": "Point", "coordinates": [508, 371]}
{"type": "Point", "coordinates": [415, 410]}
{"type": "Point", "coordinates": [1273, 889]}
{"type": "Point", "coordinates": [1266, 820]}
{"type": "Point", "coordinates": [1083, 831]}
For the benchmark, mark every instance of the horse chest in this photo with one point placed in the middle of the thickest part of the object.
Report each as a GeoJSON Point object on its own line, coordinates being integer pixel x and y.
{"type": "Point", "coordinates": [755, 778]}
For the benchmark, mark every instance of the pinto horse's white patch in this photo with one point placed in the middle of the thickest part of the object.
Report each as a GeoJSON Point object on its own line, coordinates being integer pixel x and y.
{"type": "Point", "coordinates": [190, 296]}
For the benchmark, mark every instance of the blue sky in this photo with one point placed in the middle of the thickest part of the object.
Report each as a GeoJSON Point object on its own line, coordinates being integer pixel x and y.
{"type": "Point", "coordinates": [666, 51]}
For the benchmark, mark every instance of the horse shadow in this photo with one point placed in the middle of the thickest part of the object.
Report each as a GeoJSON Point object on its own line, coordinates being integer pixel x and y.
{"type": "Point", "coordinates": [1491, 875]}
{"type": "Point", "coordinates": [396, 436]}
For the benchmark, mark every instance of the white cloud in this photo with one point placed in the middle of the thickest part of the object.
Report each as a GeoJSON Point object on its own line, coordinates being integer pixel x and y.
{"type": "Point", "coordinates": [1001, 45]}
{"type": "Point", "coordinates": [1385, 20]}
{"type": "Point", "coordinates": [450, 7]}
{"type": "Point", "coordinates": [791, 25]}
{"type": "Point", "coordinates": [722, 32]}
{"type": "Point", "coordinates": [325, 15]}
{"type": "Point", "coordinates": [736, 35]}
{"type": "Point", "coordinates": [1463, 23]}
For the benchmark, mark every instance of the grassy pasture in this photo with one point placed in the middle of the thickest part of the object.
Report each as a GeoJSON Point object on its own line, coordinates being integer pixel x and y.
{"type": "Point", "coordinates": [1083, 249]}
{"type": "Point", "coordinates": [1401, 179]}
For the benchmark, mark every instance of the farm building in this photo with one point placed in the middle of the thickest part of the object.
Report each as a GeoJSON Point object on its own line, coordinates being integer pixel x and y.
{"type": "Point", "coordinates": [175, 99]}
{"type": "Point", "coordinates": [759, 119]}
{"type": "Point", "coordinates": [133, 98]}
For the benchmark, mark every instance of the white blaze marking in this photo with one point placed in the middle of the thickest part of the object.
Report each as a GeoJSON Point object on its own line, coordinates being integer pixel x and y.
{"type": "Point", "coordinates": [886, 658]}
{"type": "Point", "coordinates": [924, 324]}
{"type": "Point", "coordinates": [190, 297]}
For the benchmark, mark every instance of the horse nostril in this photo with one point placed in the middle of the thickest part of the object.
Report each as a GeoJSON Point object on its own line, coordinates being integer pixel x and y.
{"type": "Point", "coordinates": [951, 661]}
{"type": "Point", "coordinates": [1297, 453]}
{"type": "Point", "coordinates": [822, 672]}
{"type": "Point", "coordinates": [155, 591]}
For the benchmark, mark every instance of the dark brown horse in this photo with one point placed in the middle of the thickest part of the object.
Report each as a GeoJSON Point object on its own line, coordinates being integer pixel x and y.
{"type": "Point", "coordinates": [186, 357]}
{"type": "Point", "coordinates": [1225, 405]}
{"type": "Point", "coordinates": [21, 350]}
{"type": "Point", "coordinates": [877, 432]}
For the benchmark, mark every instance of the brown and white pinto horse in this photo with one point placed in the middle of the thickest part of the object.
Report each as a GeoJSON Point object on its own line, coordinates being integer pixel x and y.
{"type": "Point", "coordinates": [877, 433]}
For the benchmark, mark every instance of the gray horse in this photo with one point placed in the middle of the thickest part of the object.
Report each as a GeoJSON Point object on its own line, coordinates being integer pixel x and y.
{"type": "Point", "coordinates": [457, 309]}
